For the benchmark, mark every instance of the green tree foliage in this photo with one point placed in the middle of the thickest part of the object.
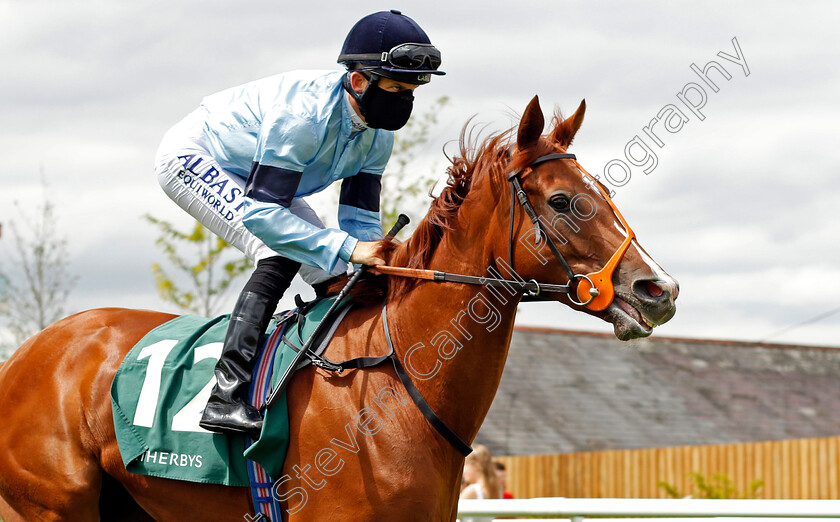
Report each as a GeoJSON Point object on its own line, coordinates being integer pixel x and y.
{"type": "Point", "coordinates": [36, 288]}
{"type": "Point", "coordinates": [204, 265]}
{"type": "Point", "coordinates": [719, 485]}
{"type": "Point", "coordinates": [404, 189]}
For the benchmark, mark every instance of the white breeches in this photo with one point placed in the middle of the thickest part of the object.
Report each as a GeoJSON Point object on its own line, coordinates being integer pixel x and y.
{"type": "Point", "coordinates": [215, 198]}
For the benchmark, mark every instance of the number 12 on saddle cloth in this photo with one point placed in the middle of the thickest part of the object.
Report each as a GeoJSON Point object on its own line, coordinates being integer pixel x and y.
{"type": "Point", "coordinates": [164, 382]}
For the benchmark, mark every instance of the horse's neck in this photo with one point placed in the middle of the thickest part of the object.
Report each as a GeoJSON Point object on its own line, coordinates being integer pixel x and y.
{"type": "Point", "coordinates": [453, 339]}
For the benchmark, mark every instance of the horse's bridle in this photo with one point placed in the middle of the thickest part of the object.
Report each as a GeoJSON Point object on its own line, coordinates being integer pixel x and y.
{"type": "Point", "coordinates": [595, 290]}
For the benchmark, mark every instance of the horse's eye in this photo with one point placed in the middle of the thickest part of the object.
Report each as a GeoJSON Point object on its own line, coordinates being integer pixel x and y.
{"type": "Point", "coordinates": [560, 202]}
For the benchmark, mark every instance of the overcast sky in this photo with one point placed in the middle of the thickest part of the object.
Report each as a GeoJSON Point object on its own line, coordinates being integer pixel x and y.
{"type": "Point", "coordinates": [741, 207]}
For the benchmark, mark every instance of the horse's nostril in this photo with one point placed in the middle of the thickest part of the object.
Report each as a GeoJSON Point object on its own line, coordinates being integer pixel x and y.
{"type": "Point", "coordinates": [653, 289]}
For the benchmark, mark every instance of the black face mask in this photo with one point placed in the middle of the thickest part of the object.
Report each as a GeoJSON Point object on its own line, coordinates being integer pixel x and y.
{"type": "Point", "coordinates": [382, 109]}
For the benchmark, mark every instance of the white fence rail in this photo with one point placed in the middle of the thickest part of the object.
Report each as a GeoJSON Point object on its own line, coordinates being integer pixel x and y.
{"type": "Point", "coordinates": [577, 509]}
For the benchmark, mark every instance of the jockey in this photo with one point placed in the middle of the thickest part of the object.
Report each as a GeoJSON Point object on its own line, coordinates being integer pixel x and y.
{"type": "Point", "coordinates": [242, 162]}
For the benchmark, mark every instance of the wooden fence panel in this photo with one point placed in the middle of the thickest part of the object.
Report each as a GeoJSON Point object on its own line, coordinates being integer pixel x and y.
{"type": "Point", "coordinates": [802, 468]}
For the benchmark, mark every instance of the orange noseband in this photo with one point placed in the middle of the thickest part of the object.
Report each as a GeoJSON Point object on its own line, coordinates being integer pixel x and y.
{"type": "Point", "coordinates": [604, 292]}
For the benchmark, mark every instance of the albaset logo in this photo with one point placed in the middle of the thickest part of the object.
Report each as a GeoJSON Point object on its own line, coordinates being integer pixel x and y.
{"type": "Point", "coordinates": [205, 181]}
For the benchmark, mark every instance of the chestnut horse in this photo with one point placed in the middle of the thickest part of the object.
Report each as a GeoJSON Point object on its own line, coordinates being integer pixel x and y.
{"type": "Point", "coordinates": [360, 448]}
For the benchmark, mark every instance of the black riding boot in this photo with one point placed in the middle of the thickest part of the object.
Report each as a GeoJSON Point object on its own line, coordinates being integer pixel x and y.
{"type": "Point", "coordinates": [228, 409]}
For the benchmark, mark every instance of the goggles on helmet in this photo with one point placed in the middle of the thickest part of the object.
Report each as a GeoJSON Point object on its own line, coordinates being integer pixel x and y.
{"type": "Point", "coordinates": [413, 56]}
{"type": "Point", "coordinates": [410, 56]}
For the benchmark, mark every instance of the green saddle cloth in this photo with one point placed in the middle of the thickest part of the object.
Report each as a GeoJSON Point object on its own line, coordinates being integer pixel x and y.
{"type": "Point", "coordinates": [157, 397]}
{"type": "Point", "coordinates": [159, 393]}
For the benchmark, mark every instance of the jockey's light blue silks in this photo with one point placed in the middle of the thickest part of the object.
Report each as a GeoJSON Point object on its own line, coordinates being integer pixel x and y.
{"type": "Point", "coordinates": [290, 135]}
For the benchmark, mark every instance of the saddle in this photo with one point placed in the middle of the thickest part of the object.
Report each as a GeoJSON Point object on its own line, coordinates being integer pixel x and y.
{"type": "Point", "coordinates": [303, 322]}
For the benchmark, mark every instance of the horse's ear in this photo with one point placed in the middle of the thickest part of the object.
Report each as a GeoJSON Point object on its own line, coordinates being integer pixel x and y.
{"type": "Point", "coordinates": [565, 131]}
{"type": "Point", "coordinates": [531, 126]}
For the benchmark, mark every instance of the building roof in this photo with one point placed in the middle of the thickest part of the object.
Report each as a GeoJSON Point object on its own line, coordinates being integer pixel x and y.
{"type": "Point", "coordinates": [565, 391]}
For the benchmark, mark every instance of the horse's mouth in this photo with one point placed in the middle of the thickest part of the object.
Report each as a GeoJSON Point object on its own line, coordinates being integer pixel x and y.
{"type": "Point", "coordinates": [627, 320]}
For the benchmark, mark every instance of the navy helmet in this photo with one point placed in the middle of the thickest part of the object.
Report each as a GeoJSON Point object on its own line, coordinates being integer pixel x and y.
{"type": "Point", "coordinates": [392, 45]}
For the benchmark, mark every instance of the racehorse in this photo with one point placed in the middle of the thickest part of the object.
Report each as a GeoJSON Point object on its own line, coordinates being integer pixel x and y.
{"type": "Point", "coordinates": [521, 212]}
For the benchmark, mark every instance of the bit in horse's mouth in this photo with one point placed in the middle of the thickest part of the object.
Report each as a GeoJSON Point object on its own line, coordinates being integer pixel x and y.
{"type": "Point", "coordinates": [634, 314]}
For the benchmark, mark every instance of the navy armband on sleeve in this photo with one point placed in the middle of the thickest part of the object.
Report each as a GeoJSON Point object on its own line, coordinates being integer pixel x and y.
{"type": "Point", "coordinates": [269, 184]}
{"type": "Point", "coordinates": [361, 191]}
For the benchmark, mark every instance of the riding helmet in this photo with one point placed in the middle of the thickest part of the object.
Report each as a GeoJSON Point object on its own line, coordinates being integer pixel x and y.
{"type": "Point", "coordinates": [392, 45]}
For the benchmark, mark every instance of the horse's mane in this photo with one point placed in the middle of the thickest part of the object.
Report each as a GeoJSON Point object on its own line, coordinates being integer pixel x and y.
{"type": "Point", "coordinates": [492, 156]}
